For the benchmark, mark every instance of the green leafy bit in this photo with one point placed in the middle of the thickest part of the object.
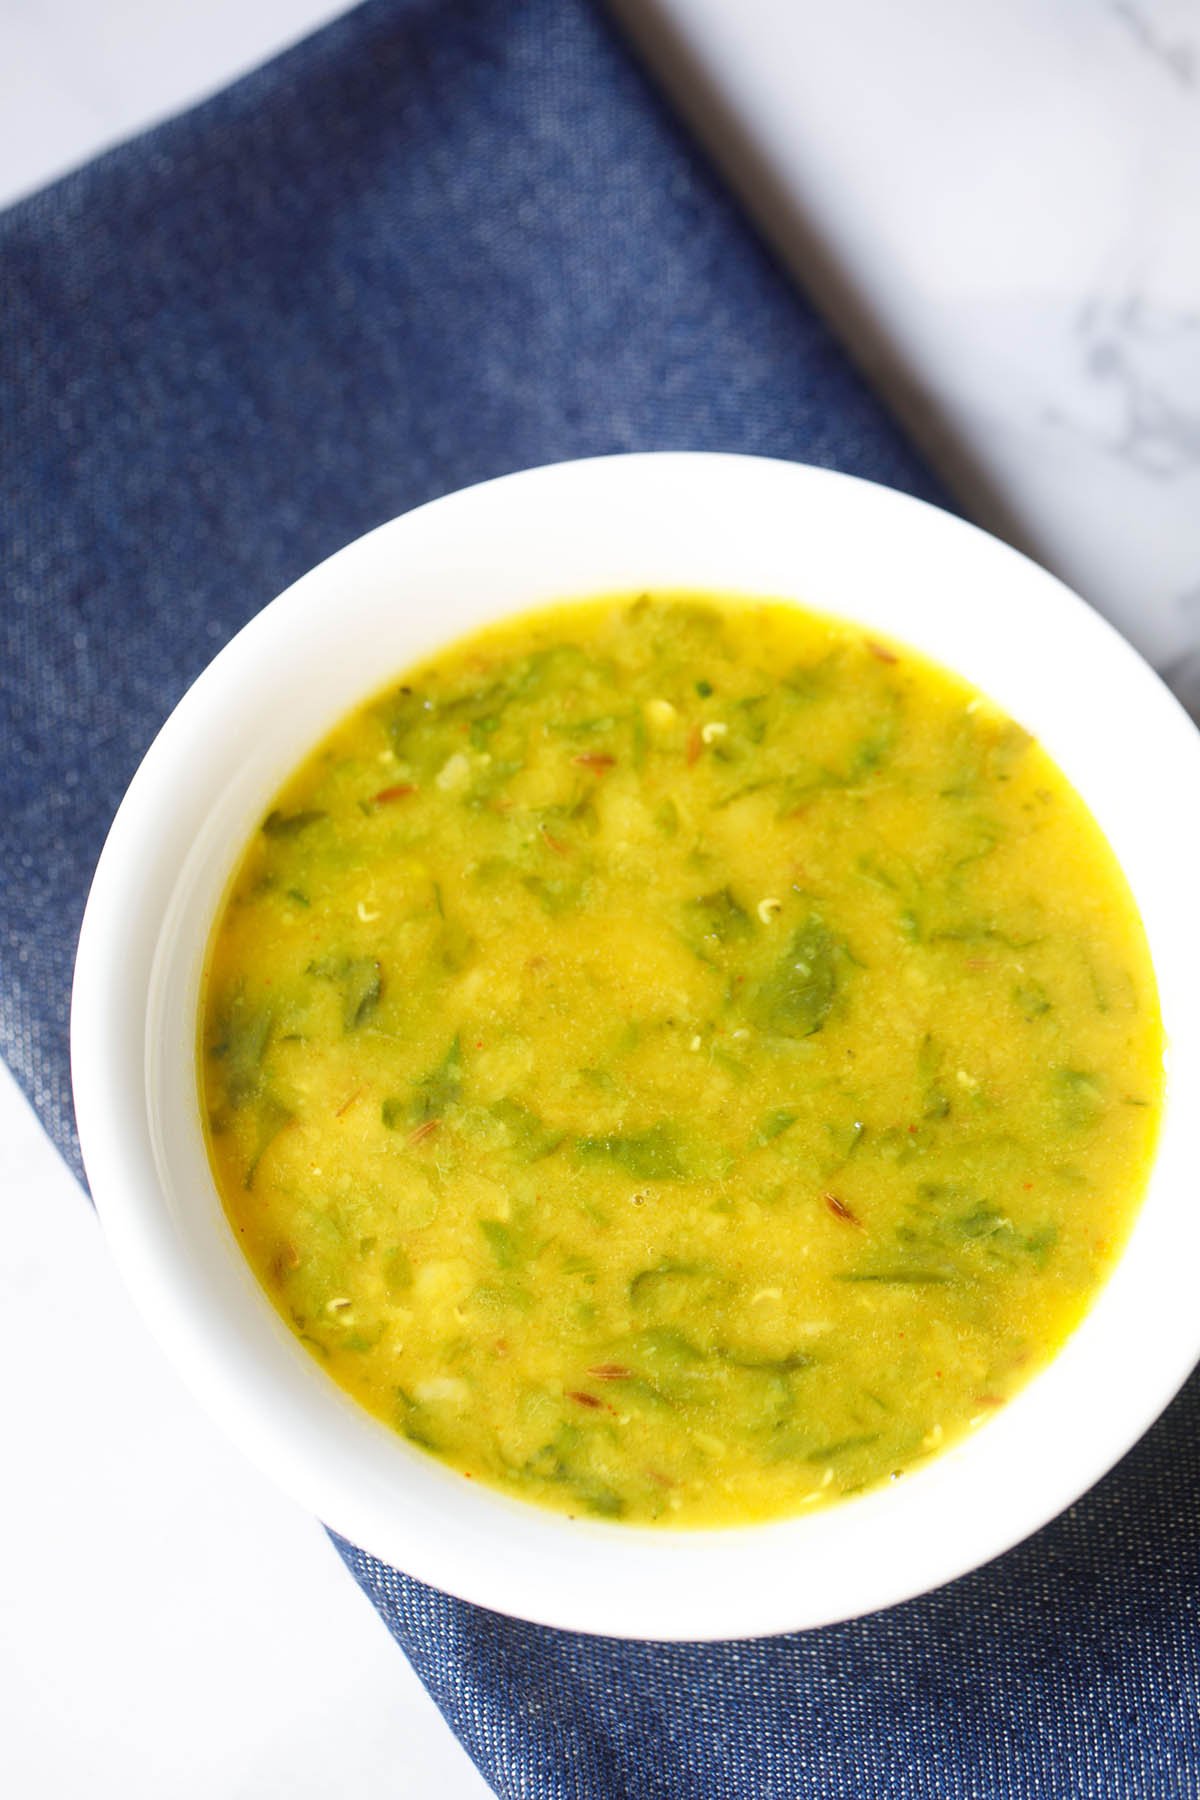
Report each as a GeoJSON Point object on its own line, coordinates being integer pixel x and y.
{"type": "Point", "coordinates": [558, 895]}
{"type": "Point", "coordinates": [272, 1117]}
{"type": "Point", "coordinates": [774, 1124]}
{"type": "Point", "coordinates": [789, 1364]}
{"type": "Point", "coordinates": [414, 1421]}
{"type": "Point", "coordinates": [360, 981]}
{"type": "Point", "coordinates": [560, 1461]}
{"type": "Point", "coordinates": [1031, 998]}
{"type": "Point", "coordinates": [1078, 1097]}
{"type": "Point", "coordinates": [404, 713]}
{"type": "Point", "coordinates": [500, 1241]}
{"type": "Point", "coordinates": [843, 1447]}
{"type": "Point", "coordinates": [481, 731]}
{"type": "Point", "coordinates": [652, 1155]}
{"type": "Point", "coordinates": [869, 753]}
{"type": "Point", "coordinates": [431, 1095]}
{"type": "Point", "coordinates": [716, 919]}
{"type": "Point", "coordinates": [528, 1137]}
{"type": "Point", "coordinates": [241, 1046]}
{"type": "Point", "coordinates": [797, 996]}
{"type": "Point", "coordinates": [843, 1142]}
{"type": "Point", "coordinates": [672, 1290]}
{"type": "Point", "coordinates": [289, 825]}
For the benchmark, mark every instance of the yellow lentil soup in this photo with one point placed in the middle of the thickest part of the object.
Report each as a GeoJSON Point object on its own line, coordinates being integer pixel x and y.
{"type": "Point", "coordinates": [678, 1059]}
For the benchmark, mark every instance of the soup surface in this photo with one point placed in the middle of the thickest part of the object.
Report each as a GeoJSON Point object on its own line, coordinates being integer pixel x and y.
{"type": "Point", "coordinates": [680, 1059]}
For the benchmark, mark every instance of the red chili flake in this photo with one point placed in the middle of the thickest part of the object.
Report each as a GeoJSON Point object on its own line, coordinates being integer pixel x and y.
{"type": "Point", "coordinates": [423, 1131]}
{"type": "Point", "coordinates": [1027, 1185]}
{"type": "Point", "coordinates": [347, 1104]}
{"type": "Point", "coordinates": [583, 1399]}
{"type": "Point", "coordinates": [988, 1400]}
{"type": "Point", "coordinates": [662, 1480]}
{"type": "Point", "coordinates": [695, 744]}
{"type": "Point", "coordinates": [501, 1347]}
{"type": "Point", "coordinates": [840, 1210]}
{"type": "Point", "coordinates": [594, 759]}
{"type": "Point", "coordinates": [397, 791]}
{"type": "Point", "coordinates": [882, 651]}
{"type": "Point", "coordinates": [556, 844]}
{"type": "Point", "coordinates": [609, 1372]}
{"type": "Point", "coordinates": [913, 1130]}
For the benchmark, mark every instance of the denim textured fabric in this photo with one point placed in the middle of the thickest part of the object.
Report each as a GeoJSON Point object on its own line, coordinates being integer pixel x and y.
{"type": "Point", "coordinates": [432, 244]}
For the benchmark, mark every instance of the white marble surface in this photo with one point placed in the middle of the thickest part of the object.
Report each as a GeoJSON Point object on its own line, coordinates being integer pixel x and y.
{"type": "Point", "coordinates": [999, 205]}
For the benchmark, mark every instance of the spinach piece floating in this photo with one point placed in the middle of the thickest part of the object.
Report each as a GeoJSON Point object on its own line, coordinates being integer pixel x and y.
{"type": "Point", "coordinates": [404, 713]}
{"type": "Point", "coordinates": [289, 825]}
{"type": "Point", "coordinates": [529, 1138]}
{"type": "Point", "coordinates": [413, 1419]}
{"type": "Point", "coordinates": [244, 1034]}
{"type": "Point", "coordinates": [1032, 999]}
{"type": "Point", "coordinates": [789, 1364]}
{"type": "Point", "coordinates": [843, 1143]}
{"type": "Point", "coordinates": [500, 1242]}
{"type": "Point", "coordinates": [397, 1270]}
{"type": "Point", "coordinates": [716, 918]}
{"type": "Point", "coordinates": [843, 1447]}
{"type": "Point", "coordinates": [430, 1096]}
{"type": "Point", "coordinates": [272, 1117]}
{"type": "Point", "coordinates": [674, 1290]}
{"type": "Point", "coordinates": [360, 982]}
{"type": "Point", "coordinates": [1078, 1098]}
{"type": "Point", "coordinates": [559, 895]}
{"type": "Point", "coordinates": [773, 1125]}
{"type": "Point", "coordinates": [442, 1086]}
{"type": "Point", "coordinates": [652, 1155]}
{"type": "Point", "coordinates": [999, 1242]}
{"type": "Point", "coordinates": [600, 1499]}
{"type": "Point", "coordinates": [797, 996]}
{"type": "Point", "coordinates": [869, 753]}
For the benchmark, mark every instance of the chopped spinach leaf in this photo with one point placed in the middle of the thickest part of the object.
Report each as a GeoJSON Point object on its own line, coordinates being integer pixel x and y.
{"type": "Point", "coordinates": [652, 1155]}
{"type": "Point", "coordinates": [797, 996]}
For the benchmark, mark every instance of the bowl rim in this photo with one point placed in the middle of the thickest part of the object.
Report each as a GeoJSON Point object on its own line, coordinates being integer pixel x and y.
{"type": "Point", "coordinates": [137, 956]}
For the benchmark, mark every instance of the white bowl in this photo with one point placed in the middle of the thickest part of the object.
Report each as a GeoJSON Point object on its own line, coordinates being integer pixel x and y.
{"type": "Point", "coordinates": [620, 524]}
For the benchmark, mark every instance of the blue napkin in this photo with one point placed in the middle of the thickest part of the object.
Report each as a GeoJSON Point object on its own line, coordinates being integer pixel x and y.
{"type": "Point", "coordinates": [432, 244]}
